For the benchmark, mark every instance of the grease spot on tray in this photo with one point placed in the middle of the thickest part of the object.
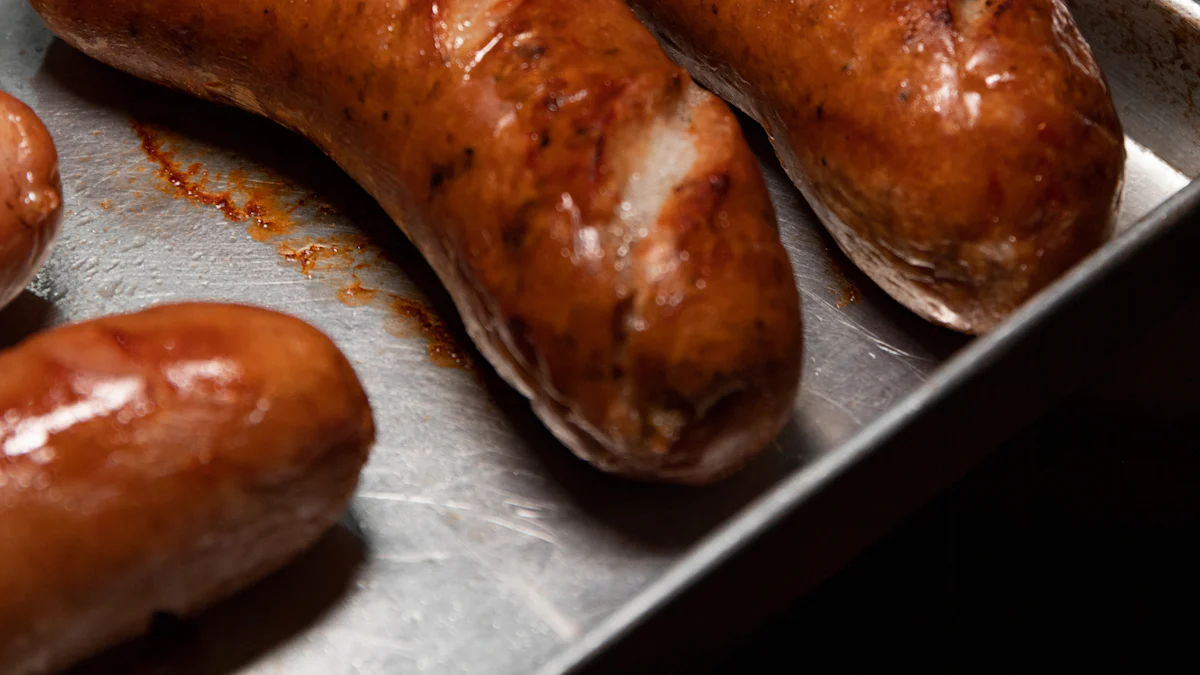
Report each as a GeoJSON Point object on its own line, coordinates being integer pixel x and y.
{"type": "Point", "coordinates": [409, 316]}
{"type": "Point", "coordinates": [355, 295]}
{"type": "Point", "coordinates": [191, 184]}
{"type": "Point", "coordinates": [264, 206]}
{"type": "Point", "coordinates": [848, 296]}
{"type": "Point", "coordinates": [313, 254]}
{"type": "Point", "coordinates": [845, 292]}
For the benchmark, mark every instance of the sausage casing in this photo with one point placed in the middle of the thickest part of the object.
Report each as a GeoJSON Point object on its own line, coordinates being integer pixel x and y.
{"type": "Point", "coordinates": [599, 220]}
{"type": "Point", "coordinates": [30, 196]}
{"type": "Point", "coordinates": [964, 154]}
{"type": "Point", "coordinates": [160, 461]}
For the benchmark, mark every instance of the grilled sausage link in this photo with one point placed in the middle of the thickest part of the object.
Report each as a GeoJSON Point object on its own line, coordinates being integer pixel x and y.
{"type": "Point", "coordinates": [161, 461]}
{"type": "Point", "coordinates": [964, 153]}
{"type": "Point", "coordinates": [598, 219]}
{"type": "Point", "coordinates": [30, 196]}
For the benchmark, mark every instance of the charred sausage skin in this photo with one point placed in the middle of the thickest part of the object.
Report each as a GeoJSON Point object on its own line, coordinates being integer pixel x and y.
{"type": "Point", "coordinates": [30, 196]}
{"type": "Point", "coordinates": [598, 219]}
{"type": "Point", "coordinates": [160, 461]}
{"type": "Point", "coordinates": [964, 153]}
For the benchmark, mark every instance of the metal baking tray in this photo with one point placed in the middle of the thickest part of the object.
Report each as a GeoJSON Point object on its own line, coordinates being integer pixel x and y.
{"type": "Point", "coordinates": [476, 543]}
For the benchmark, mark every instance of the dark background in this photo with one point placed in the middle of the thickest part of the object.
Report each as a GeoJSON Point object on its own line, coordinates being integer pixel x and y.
{"type": "Point", "coordinates": [1072, 547]}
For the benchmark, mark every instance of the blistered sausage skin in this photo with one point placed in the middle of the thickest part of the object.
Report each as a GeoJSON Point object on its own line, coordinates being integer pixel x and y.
{"type": "Point", "coordinates": [30, 196]}
{"type": "Point", "coordinates": [598, 219]}
{"type": "Point", "coordinates": [158, 462]}
{"type": "Point", "coordinates": [964, 153]}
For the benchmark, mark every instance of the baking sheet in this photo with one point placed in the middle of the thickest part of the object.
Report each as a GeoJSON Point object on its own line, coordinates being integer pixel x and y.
{"type": "Point", "coordinates": [476, 543]}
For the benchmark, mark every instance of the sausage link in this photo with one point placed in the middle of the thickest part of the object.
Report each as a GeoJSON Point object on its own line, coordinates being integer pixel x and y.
{"type": "Point", "coordinates": [158, 462]}
{"type": "Point", "coordinates": [964, 153]}
{"type": "Point", "coordinates": [598, 219]}
{"type": "Point", "coordinates": [30, 196]}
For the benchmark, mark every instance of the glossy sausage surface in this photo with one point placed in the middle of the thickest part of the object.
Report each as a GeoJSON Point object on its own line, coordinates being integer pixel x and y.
{"type": "Point", "coordinates": [161, 461]}
{"type": "Point", "coordinates": [964, 154]}
{"type": "Point", "coordinates": [598, 219]}
{"type": "Point", "coordinates": [30, 196]}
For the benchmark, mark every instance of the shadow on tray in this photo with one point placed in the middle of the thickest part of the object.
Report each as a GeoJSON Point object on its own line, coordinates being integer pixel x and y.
{"type": "Point", "coordinates": [1072, 548]}
{"type": "Point", "coordinates": [26, 315]}
{"type": "Point", "coordinates": [243, 629]}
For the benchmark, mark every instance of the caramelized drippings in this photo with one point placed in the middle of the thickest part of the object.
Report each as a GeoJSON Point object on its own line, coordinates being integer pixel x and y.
{"type": "Point", "coordinates": [324, 253]}
{"type": "Point", "coordinates": [269, 220]}
{"type": "Point", "coordinates": [266, 219]}
{"type": "Point", "coordinates": [849, 296]}
{"type": "Point", "coordinates": [183, 181]}
{"type": "Point", "coordinates": [844, 290]}
{"type": "Point", "coordinates": [411, 316]}
{"type": "Point", "coordinates": [355, 295]}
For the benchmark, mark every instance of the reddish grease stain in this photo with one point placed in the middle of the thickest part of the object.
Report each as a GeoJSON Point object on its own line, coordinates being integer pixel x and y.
{"type": "Point", "coordinates": [444, 350]}
{"type": "Point", "coordinates": [355, 295]}
{"type": "Point", "coordinates": [849, 296]}
{"type": "Point", "coordinates": [323, 253]}
{"type": "Point", "coordinates": [267, 221]}
{"type": "Point", "coordinates": [306, 256]}
{"type": "Point", "coordinates": [846, 292]}
{"type": "Point", "coordinates": [180, 179]}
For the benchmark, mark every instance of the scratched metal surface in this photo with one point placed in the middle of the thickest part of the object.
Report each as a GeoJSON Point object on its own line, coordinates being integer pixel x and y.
{"type": "Point", "coordinates": [476, 544]}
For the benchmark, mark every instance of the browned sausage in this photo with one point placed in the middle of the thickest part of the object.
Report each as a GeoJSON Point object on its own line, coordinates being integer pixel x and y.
{"type": "Point", "coordinates": [159, 462]}
{"type": "Point", "coordinates": [964, 153]}
{"type": "Point", "coordinates": [30, 196]}
{"type": "Point", "coordinates": [598, 219]}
